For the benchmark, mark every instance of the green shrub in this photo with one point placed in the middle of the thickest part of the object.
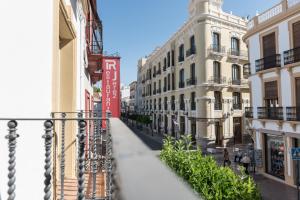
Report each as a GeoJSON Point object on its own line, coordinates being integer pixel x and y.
{"type": "Point", "coordinates": [204, 175]}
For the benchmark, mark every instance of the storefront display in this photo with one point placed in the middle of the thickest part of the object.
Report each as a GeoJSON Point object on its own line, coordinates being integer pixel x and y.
{"type": "Point", "coordinates": [275, 155]}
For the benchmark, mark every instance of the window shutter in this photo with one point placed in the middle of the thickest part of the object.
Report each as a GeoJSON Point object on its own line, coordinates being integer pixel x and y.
{"type": "Point", "coordinates": [271, 91]}
{"type": "Point", "coordinates": [296, 34]}
{"type": "Point", "coordinates": [269, 45]}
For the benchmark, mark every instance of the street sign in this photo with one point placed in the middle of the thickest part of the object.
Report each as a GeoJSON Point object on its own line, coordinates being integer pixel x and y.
{"type": "Point", "coordinates": [295, 153]}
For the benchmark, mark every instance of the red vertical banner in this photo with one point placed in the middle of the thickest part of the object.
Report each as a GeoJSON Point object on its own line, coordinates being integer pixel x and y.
{"type": "Point", "coordinates": [111, 86]}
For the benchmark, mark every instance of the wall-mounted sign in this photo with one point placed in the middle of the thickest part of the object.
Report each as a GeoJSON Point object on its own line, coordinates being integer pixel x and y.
{"type": "Point", "coordinates": [111, 86]}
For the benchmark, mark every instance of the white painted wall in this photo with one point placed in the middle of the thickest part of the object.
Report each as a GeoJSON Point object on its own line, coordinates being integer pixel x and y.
{"type": "Point", "coordinates": [25, 87]}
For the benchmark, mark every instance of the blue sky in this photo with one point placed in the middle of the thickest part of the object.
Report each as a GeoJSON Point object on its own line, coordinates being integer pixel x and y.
{"type": "Point", "coordinates": [134, 28]}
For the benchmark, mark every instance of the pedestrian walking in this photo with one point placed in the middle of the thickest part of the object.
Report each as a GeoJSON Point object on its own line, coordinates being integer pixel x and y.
{"type": "Point", "coordinates": [226, 158]}
{"type": "Point", "coordinates": [246, 161]}
{"type": "Point", "coordinates": [238, 156]}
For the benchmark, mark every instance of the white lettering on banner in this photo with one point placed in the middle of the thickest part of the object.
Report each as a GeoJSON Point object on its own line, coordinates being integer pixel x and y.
{"type": "Point", "coordinates": [111, 64]}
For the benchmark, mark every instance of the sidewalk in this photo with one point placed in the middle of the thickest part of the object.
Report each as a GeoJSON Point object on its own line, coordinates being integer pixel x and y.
{"type": "Point", "coordinates": [270, 189]}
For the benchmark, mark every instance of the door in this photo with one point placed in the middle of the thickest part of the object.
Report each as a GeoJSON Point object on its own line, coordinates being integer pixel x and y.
{"type": "Point", "coordinates": [269, 50]}
{"type": "Point", "coordinates": [193, 131]}
{"type": "Point", "coordinates": [237, 130]}
{"type": "Point", "coordinates": [218, 134]}
{"type": "Point", "coordinates": [166, 124]}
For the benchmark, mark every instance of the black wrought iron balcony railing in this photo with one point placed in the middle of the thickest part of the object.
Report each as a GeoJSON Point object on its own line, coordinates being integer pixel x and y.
{"type": "Point", "coordinates": [217, 80]}
{"type": "Point", "coordinates": [218, 105]}
{"type": "Point", "coordinates": [248, 112]}
{"type": "Point", "coordinates": [182, 106]}
{"type": "Point", "coordinates": [191, 51]}
{"type": "Point", "coordinates": [237, 106]}
{"type": "Point", "coordinates": [237, 53]}
{"type": "Point", "coordinates": [293, 113]}
{"type": "Point", "coordinates": [269, 62]}
{"type": "Point", "coordinates": [181, 84]}
{"type": "Point", "coordinates": [191, 81]}
{"type": "Point", "coordinates": [238, 82]}
{"type": "Point", "coordinates": [292, 56]}
{"type": "Point", "coordinates": [273, 113]}
{"type": "Point", "coordinates": [94, 36]}
{"type": "Point", "coordinates": [216, 48]}
{"type": "Point", "coordinates": [181, 58]}
{"type": "Point", "coordinates": [193, 105]}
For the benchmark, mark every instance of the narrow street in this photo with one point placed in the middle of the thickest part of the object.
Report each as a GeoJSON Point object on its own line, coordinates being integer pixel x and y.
{"type": "Point", "coordinates": [153, 141]}
{"type": "Point", "coordinates": [270, 189]}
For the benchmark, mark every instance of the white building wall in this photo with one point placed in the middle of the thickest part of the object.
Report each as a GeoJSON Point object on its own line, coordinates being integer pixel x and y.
{"type": "Point", "coordinates": [25, 84]}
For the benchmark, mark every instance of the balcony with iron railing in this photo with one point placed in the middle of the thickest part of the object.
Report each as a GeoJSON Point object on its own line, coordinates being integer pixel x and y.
{"type": "Point", "coordinates": [218, 105]}
{"type": "Point", "coordinates": [241, 54]}
{"type": "Point", "coordinates": [102, 170]}
{"type": "Point", "coordinates": [273, 113]}
{"type": "Point", "coordinates": [293, 113]}
{"type": "Point", "coordinates": [191, 81]}
{"type": "Point", "coordinates": [181, 84]}
{"type": "Point", "coordinates": [238, 81]}
{"type": "Point", "coordinates": [181, 58]}
{"type": "Point", "coordinates": [217, 80]}
{"type": "Point", "coordinates": [237, 106]}
{"type": "Point", "coordinates": [216, 49]}
{"type": "Point", "coordinates": [248, 112]}
{"type": "Point", "coordinates": [269, 62]}
{"type": "Point", "coordinates": [191, 51]}
{"type": "Point", "coordinates": [94, 44]}
{"type": "Point", "coordinates": [292, 56]}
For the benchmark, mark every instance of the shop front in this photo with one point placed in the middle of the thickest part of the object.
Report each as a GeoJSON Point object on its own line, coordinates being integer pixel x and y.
{"type": "Point", "coordinates": [275, 155]}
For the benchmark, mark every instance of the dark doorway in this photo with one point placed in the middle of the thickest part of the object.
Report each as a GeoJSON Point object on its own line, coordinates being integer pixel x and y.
{"type": "Point", "coordinates": [218, 133]}
{"type": "Point", "coordinates": [237, 130]}
{"type": "Point", "coordinates": [193, 131]}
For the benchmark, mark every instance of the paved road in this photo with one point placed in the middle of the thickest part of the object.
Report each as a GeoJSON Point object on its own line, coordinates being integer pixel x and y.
{"type": "Point", "coordinates": [270, 189]}
{"type": "Point", "coordinates": [153, 142]}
